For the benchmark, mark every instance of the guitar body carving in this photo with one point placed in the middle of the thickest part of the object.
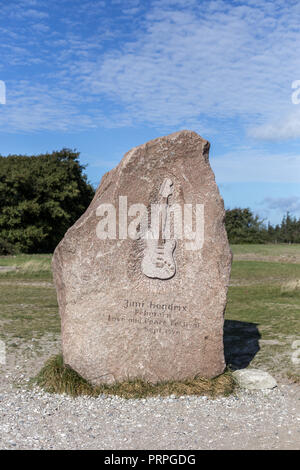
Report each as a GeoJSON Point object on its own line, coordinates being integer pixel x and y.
{"type": "Point", "coordinates": [158, 261]}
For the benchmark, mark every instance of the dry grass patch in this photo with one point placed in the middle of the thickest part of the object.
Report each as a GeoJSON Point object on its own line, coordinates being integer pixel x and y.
{"type": "Point", "coordinates": [35, 265]}
{"type": "Point", "coordinates": [25, 266]}
{"type": "Point", "coordinates": [291, 287]}
{"type": "Point", "coordinates": [55, 377]}
{"type": "Point", "coordinates": [295, 378]}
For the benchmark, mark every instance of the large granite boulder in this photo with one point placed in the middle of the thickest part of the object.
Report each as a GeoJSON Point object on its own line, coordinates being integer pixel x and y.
{"type": "Point", "coordinates": [142, 276]}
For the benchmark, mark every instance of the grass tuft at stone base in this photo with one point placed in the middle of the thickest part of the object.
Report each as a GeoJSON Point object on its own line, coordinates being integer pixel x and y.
{"type": "Point", "coordinates": [55, 377]}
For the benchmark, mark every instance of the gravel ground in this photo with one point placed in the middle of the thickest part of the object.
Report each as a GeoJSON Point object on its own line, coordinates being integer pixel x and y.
{"type": "Point", "coordinates": [32, 419]}
{"type": "Point", "coordinates": [256, 420]}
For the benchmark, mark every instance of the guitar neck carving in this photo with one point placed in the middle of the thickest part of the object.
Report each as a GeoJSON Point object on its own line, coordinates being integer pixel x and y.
{"type": "Point", "coordinates": [158, 258]}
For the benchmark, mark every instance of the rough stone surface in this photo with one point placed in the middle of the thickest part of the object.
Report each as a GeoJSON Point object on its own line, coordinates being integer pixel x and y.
{"type": "Point", "coordinates": [124, 313]}
{"type": "Point", "coordinates": [254, 379]}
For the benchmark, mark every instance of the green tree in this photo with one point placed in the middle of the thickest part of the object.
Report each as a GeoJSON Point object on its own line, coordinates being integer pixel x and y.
{"type": "Point", "coordinates": [244, 227]}
{"type": "Point", "coordinates": [290, 229]}
{"type": "Point", "coordinates": [40, 198]}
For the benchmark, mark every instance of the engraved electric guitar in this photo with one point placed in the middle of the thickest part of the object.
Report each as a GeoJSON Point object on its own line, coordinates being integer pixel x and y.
{"type": "Point", "coordinates": [158, 260]}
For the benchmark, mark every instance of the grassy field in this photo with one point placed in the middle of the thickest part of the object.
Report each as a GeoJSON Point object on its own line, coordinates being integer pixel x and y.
{"type": "Point", "coordinates": [262, 317]}
{"type": "Point", "coordinates": [28, 302]}
{"type": "Point", "coordinates": [263, 311]}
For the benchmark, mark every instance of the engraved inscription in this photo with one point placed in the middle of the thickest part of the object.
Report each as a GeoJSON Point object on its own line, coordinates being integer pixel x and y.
{"type": "Point", "coordinates": [154, 317]}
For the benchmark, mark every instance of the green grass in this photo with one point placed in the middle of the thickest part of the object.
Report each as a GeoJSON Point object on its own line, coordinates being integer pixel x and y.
{"type": "Point", "coordinates": [42, 260]}
{"type": "Point", "coordinates": [279, 249]}
{"type": "Point", "coordinates": [28, 311]}
{"type": "Point", "coordinates": [28, 305]}
{"type": "Point", "coordinates": [263, 309]}
{"type": "Point", "coordinates": [261, 322]}
{"type": "Point", "coordinates": [262, 271]}
{"type": "Point", "coordinates": [27, 267]}
{"type": "Point", "coordinates": [266, 306]}
{"type": "Point", "coordinates": [55, 377]}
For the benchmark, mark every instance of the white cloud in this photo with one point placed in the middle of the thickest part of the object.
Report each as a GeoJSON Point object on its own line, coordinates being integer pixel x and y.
{"type": "Point", "coordinates": [283, 204]}
{"type": "Point", "coordinates": [204, 63]}
{"type": "Point", "coordinates": [288, 127]}
{"type": "Point", "coordinates": [40, 27]}
{"type": "Point", "coordinates": [36, 14]}
{"type": "Point", "coordinates": [42, 108]}
{"type": "Point", "coordinates": [22, 10]}
{"type": "Point", "coordinates": [210, 65]}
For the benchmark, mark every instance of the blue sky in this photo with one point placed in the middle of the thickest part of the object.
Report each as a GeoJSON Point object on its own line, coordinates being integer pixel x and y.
{"type": "Point", "coordinates": [104, 76]}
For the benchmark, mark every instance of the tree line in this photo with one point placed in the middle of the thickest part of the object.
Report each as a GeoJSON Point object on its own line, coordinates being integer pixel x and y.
{"type": "Point", "coordinates": [244, 227]}
{"type": "Point", "coordinates": [42, 196]}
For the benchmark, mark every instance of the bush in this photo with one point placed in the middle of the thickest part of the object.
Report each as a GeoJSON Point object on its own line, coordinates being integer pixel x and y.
{"type": "Point", "coordinates": [40, 198]}
{"type": "Point", "coordinates": [244, 227]}
{"type": "Point", "coordinates": [7, 248]}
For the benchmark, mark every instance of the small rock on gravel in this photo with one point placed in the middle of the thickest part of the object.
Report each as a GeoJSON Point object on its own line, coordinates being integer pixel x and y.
{"type": "Point", "coordinates": [254, 379]}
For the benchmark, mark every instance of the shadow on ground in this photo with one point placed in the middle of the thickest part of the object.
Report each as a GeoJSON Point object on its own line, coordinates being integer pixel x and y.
{"type": "Point", "coordinates": [240, 343]}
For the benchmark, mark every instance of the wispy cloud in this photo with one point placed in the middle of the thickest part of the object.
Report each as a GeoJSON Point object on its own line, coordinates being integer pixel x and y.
{"type": "Point", "coordinates": [199, 63]}
{"type": "Point", "coordinates": [168, 64]}
{"type": "Point", "coordinates": [283, 204]}
{"type": "Point", "coordinates": [285, 127]}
